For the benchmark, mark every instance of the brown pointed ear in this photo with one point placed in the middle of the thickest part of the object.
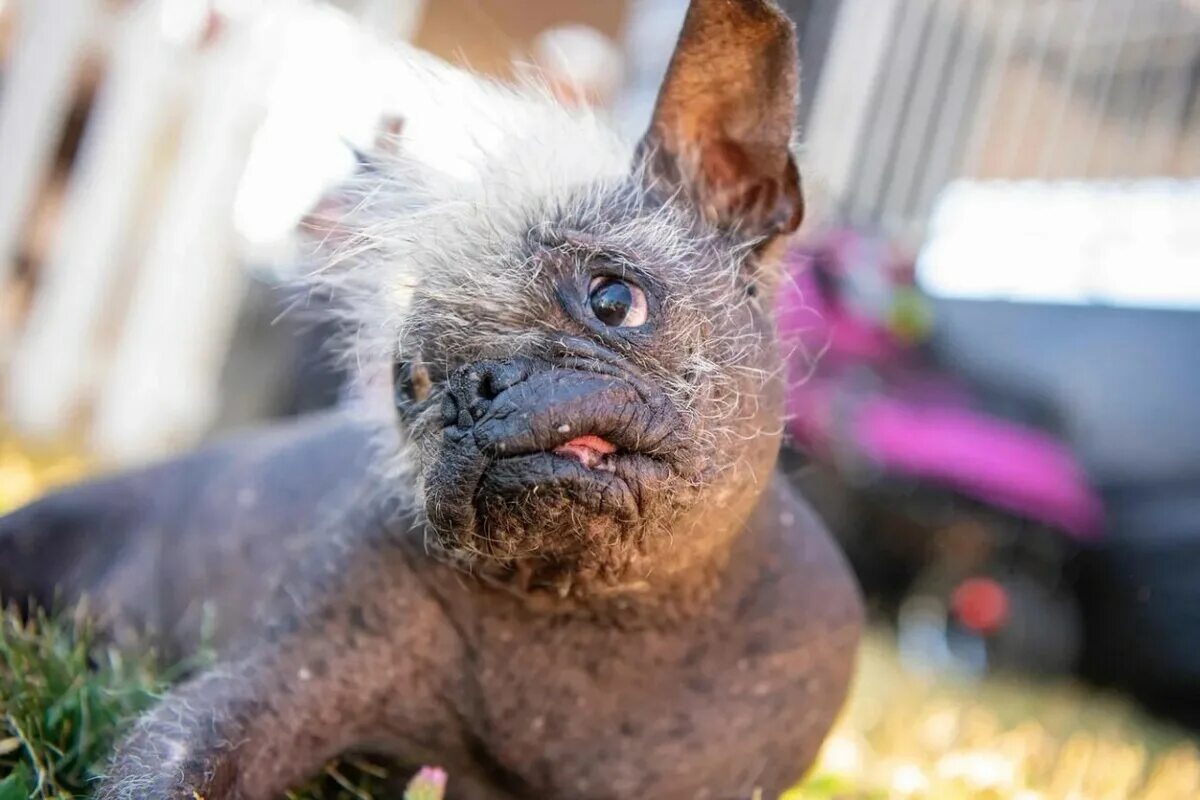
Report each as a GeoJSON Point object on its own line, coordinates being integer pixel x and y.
{"type": "Point", "coordinates": [722, 128]}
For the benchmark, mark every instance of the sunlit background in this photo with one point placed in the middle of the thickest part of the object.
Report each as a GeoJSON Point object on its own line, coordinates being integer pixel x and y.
{"type": "Point", "coordinates": [995, 313]}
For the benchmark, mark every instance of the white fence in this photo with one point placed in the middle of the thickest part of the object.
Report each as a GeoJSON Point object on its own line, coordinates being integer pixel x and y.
{"type": "Point", "coordinates": [916, 93]}
{"type": "Point", "coordinates": [214, 127]}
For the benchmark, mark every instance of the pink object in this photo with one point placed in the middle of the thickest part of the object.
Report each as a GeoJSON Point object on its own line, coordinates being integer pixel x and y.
{"type": "Point", "coordinates": [589, 450]}
{"type": "Point", "coordinates": [861, 391]}
{"type": "Point", "coordinates": [428, 784]}
{"type": "Point", "coordinates": [1006, 465]}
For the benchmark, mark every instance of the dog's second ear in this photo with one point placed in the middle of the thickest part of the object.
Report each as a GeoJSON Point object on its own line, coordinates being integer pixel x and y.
{"type": "Point", "coordinates": [722, 128]}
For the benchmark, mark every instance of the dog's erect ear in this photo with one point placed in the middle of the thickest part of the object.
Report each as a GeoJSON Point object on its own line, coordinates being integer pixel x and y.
{"type": "Point", "coordinates": [723, 124]}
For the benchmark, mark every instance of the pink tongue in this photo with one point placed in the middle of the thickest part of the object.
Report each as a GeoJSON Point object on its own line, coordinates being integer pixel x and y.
{"type": "Point", "coordinates": [591, 442]}
{"type": "Point", "coordinates": [586, 449]}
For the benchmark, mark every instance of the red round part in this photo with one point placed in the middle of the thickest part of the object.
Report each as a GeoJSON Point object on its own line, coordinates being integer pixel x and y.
{"type": "Point", "coordinates": [981, 604]}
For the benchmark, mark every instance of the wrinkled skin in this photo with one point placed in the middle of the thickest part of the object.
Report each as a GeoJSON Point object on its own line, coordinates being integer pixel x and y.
{"type": "Point", "coordinates": [499, 481]}
{"type": "Point", "coordinates": [565, 568]}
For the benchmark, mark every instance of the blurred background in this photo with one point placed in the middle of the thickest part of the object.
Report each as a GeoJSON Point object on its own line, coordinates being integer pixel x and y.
{"type": "Point", "coordinates": [994, 312]}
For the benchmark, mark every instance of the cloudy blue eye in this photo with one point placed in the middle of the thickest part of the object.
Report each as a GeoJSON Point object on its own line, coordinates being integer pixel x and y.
{"type": "Point", "coordinates": [617, 303]}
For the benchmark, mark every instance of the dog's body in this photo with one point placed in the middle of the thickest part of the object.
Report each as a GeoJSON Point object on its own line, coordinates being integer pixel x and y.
{"type": "Point", "coordinates": [365, 642]}
{"type": "Point", "coordinates": [569, 572]}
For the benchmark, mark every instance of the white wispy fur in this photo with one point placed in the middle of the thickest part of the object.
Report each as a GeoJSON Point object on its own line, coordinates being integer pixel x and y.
{"type": "Point", "coordinates": [453, 199]}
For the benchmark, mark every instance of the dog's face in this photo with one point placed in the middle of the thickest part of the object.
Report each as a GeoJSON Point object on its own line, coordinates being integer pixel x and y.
{"type": "Point", "coordinates": [599, 373]}
{"type": "Point", "coordinates": [601, 390]}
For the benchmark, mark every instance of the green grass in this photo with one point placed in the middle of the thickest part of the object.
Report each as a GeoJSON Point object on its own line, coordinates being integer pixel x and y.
{"type": "Point", "coordinates": [66, 698]}
{"type": "Point", "coordinates": [63, 699]}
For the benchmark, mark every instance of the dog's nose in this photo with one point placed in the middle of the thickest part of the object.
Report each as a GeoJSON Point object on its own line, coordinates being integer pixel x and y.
{"type": "Point", "coordinates": [496, 377]}
{"type": "Point", "coordinates": [472, 387]}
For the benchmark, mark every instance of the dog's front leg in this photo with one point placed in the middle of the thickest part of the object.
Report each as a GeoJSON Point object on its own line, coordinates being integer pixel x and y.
{"type": "Point", "coordinates": [251, 729]}
{"type": "Point", "coordinates": [242, 730]}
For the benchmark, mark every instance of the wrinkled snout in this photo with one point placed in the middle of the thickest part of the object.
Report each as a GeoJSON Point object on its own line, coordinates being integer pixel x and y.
{"type": "Point", "coordinates": [521, 407]}
{"type": "Point", "coordinates": [526, 442]}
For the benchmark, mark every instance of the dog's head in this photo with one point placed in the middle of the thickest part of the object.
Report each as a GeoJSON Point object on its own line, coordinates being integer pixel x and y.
{"type": "Point", "coordinates": [587, 369]}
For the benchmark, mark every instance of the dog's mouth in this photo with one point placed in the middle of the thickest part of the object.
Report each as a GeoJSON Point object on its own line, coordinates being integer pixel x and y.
{"type": "Point", "coordinates": [551, 446]}
{"type": "Point", "coordinates": [579, 439]}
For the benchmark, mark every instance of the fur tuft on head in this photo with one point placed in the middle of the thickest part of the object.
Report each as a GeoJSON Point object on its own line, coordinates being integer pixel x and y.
{"type": "Point", "coordinates": [449, 204]}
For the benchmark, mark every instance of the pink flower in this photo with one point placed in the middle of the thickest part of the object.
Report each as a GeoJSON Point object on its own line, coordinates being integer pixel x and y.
{"type": "Point", "coordinates": [429, 784]}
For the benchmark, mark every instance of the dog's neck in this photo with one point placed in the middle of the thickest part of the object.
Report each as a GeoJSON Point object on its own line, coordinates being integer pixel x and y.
{"type": "Point", "coordinates": [666, 585]}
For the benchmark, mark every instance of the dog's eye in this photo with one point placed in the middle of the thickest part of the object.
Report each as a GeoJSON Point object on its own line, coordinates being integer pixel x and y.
{"type": "Point", "coordinates": [617, 303]}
